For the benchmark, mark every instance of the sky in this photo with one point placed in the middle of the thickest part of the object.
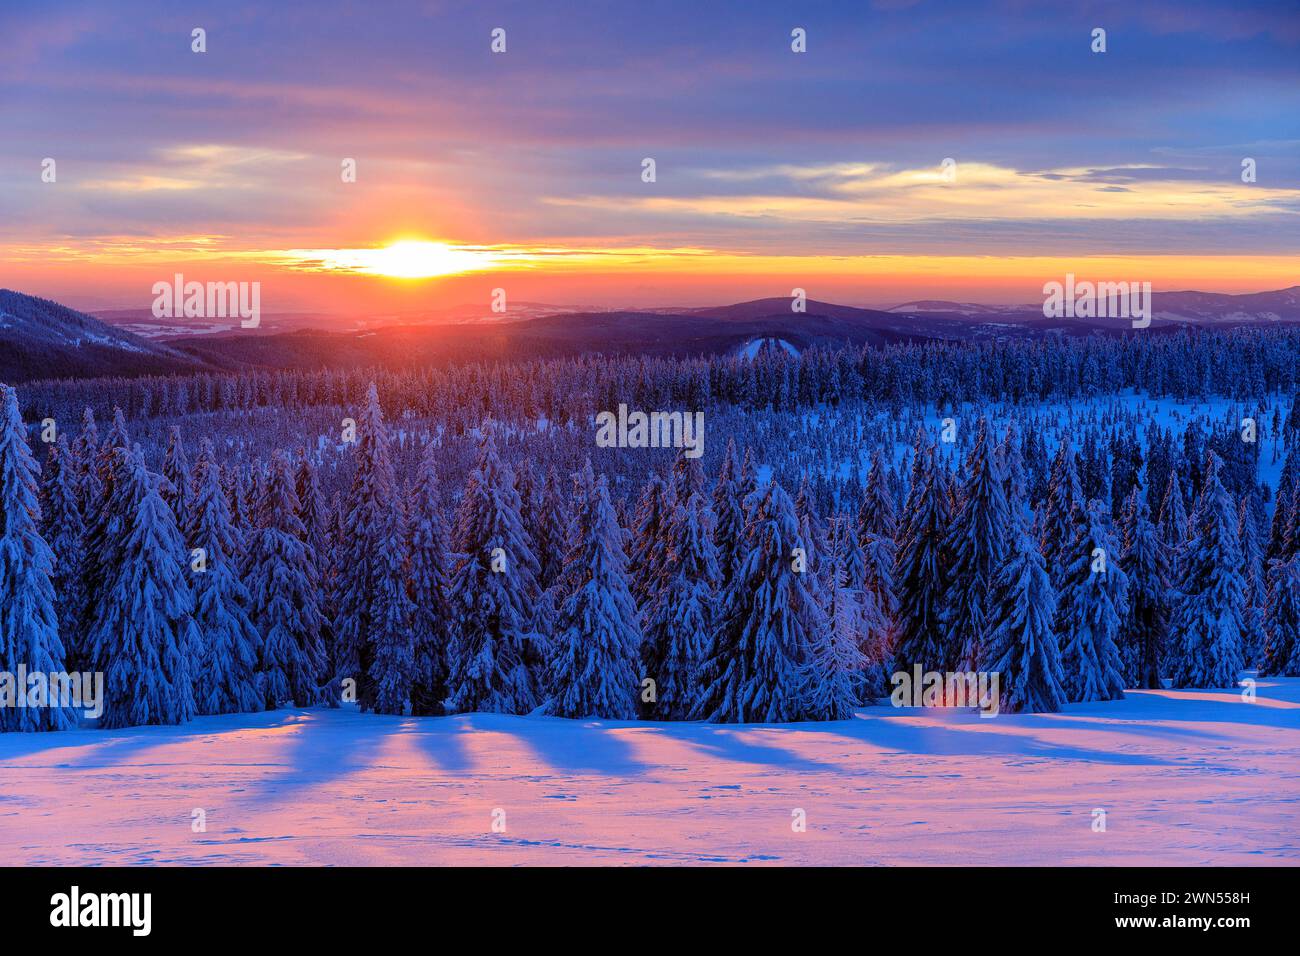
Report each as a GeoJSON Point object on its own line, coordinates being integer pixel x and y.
{"type": "Point", "coordinates": [524, 169]}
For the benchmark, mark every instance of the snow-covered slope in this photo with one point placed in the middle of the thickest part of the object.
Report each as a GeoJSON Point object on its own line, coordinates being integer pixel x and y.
{"type": "Point", "coordinates": [1188, 778]}
{"type": "Point", "coordinates": [43, 339]}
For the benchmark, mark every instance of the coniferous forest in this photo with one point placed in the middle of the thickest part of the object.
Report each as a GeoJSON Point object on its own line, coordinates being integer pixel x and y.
{"type": "Point", "coordinates": [1079, 516]}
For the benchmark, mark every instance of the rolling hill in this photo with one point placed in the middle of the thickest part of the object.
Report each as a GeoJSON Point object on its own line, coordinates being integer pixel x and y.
{"type": "Point", "coordinates": [43, 339]}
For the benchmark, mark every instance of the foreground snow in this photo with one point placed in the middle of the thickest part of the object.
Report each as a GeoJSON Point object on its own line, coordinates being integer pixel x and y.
{"type": "Point", "coordinates": [1185, 778]}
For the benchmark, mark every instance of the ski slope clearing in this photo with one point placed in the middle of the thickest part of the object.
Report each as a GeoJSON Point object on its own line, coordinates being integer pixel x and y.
{"type": "Point", "coordinates": [1188, 778]}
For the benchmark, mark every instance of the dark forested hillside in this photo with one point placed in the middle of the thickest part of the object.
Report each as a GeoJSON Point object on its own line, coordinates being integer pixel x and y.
{"type": "Point", "coordinates": [42, 339]}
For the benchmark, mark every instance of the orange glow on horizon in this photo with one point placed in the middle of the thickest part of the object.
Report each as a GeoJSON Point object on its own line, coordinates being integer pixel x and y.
{"type": "Point", "coordinates": [421, 273]}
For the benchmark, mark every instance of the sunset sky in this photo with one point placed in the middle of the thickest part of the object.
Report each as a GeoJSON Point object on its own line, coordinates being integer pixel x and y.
{"type": "Point", "coordinates": [523, 169]}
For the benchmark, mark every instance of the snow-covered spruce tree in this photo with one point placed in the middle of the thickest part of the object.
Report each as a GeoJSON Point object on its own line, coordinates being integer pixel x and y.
{"type": "Point", "coordinates": [595, 671]}
{"type": "Point", "coordinates": [1286, 485]}
{"type": "Point", "coordinates": [282, 578]}
{"type": "Point", "coordinates": [978, 540]}
{"type": "Point", "coordinates": [811, 528]}
{"type": "Point", "coordinates": [143, 636]}
{"type": "Point", "coordinates": [85, 452]}
{"type": "Point", "coordinates": [729, 515]}
{"type": "Point", "coordinates": [320, 523]}
{"type": "Point", "coordinates": [545, 511]}
{"type": "Point", "coordinates": [29, 624]}
{"type": "Point", "coordinates": [764, 633]}
{"type": "Point", "coordinates": [1208, 616]}
{"type": "Point", "coordinates": [681, 616]}
{"type": "Point", "coordinates": [431, 615]}
{"type": "Point", "coordinates": [1144, 629]}
{"type": "Point", "coordinates": [876, 515]}
{"type": "Point", "coordinates": [64, 531]}
{"type": "Point", "coordinates": [313, 510]}
{"type": "Point", "coordinates": [1252, 556]}
{"type": "Point", "coordinates": [1281, 654]}
{"type": "Point", "coordinates": [1011, 463]}
{"type": "Point", "coordinates": [495, 660]}
{"type": "Point", "coordinates": [877, 527]}
{"type": "Point", "coordinates": [867, 601]}
{"type": "Point", "coordinates": [1173, 526]}
{"type": "Point", "coordinates": [1022, 646]}
{"type": "Point", "coordinates": [647, 555]}
{"type": "Point", "coordinates": [368, 561]}
{"type": "Point", "coordinates": [688, 477]}
{"type": "Point", "coordinates": [1057, 514]}
{"type": "Point", "coordinates": [747, 480]}
{"type": "Point", "coordinates": [1091, 599]}
{"type": "Point", "coordinates": [393, 668]}
{"type": "Point", "coordinates": [832, 674]}
{"type": "Point", "coordinates": [236, 488]}
{"type": "Point", "coordinates": [551, 539]}
{"type": "Point", "coordinates": [226, 680]}
{"type": "Point", "coordinates": [104, 528]}
{"type": "Point", "coordinates": [921, 570]}
{"type": "Point", "coordinates": [175, 487]}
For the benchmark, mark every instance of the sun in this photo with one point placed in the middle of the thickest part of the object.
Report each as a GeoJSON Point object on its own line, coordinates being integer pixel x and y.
{"type": "Point", "coordinates": [417, 259]}
{"type": "Point", "coordinates": [405, 259]}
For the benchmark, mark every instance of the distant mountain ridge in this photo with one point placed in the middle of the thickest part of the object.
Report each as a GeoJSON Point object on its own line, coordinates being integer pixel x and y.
{"type": "Point", "coordinates": [42, 339]}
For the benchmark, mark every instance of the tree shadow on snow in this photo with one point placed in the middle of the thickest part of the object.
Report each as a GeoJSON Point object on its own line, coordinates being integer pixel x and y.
{"type": "Point", "coordinates": [953, 735]}
{"type": "Point", "coordinates": [728, 742]}
{"type": "Point", "coordinates": [578, 746]}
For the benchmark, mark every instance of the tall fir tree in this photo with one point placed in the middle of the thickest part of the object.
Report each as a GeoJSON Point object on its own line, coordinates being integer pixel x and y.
{"type": "Point", "coordinates": [1144, 629]}
{"type": "Point", "coordinates": [876, 515]}
{"type": "Point", "coordinates": [393, 668]}
{"type": "Point", "coordinates": [595, 671]}
{"type": "Point", "coordinates": [495, 661]}
{"type": "Point", "coordinates": [832, 675]}
{"type": "Point", "coordinates": [681, 616]}
{"type": "Point", "coordinates": [1277, 538]}
{"type": "Point", "coordinates": [143, 636]}
{"type": "Point", "coordinates": [370, 566]}
{"type": "Point", "coordinates": [1173, 525]}
{"type": "Point", "coordinates": [105, 525]}
{"type": "Point", "coordinates": [226, 680]}
{"type": "Point", "coordinates": [1208, 616]}
{"type": "Point", "coordinates": [1022, 646]}
{"type": "Point", "coordinates": [431, 615]}
{"type": "Point", "coordinates": [1252, 556]}
{"type": "Point", "coordinates": [85, 452]}
{"type": "Point", "coordinates": [551, 540]}
{"type": "Point", "coordinates": [688, 477]}
{"type": "Point", "coordinates": [764, 634]}
{"type": "Point", "coordinates": [176, 490]}
{"type": "Point", "coordinates": [978, 540]}
{"type": "Point", "coordinates": [29, 624]}
{"type": "Point", "coordinates": [1280, 656]}
{"type": "Point", "coordinates": [647, 555]}
{"type": "Point", "coordinates": [921, 569]}
{"type": "Point", "coordinates": [313, 510]}
{"type": "Point", "coordinates": [1058, 514]}
{"type": "Point", "coordinates": [729, 515]}
{"type": "Point", "coordinates": [1093, 592]}
{"type": "Point", "coordinates": [65, 531]}
{"type": "Point", "coordinates": [285, 591]}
